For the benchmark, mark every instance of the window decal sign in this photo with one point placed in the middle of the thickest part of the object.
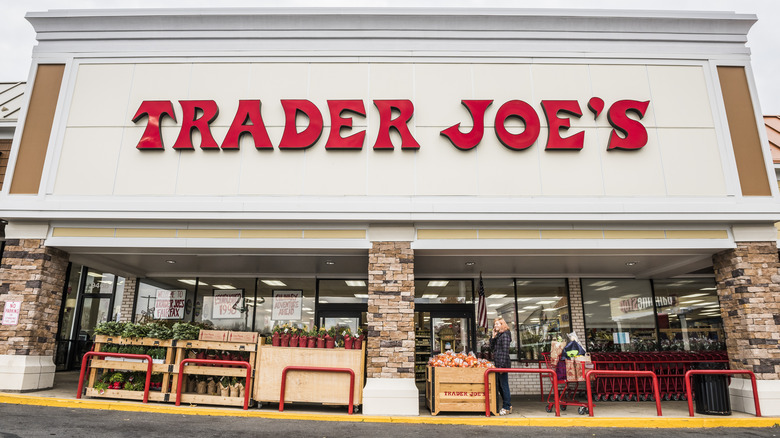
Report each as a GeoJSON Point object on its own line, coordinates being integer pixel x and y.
{"type": "Point", "coordinates": [227, 304]}
{"type": "Point", "coordinates": [169, 304]}
{"type": "Point", "coordinates": [287, 305]}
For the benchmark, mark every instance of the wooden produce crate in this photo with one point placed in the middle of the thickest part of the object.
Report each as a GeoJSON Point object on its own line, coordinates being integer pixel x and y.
{"type": "Point", "coordinates": [113, 364]}
{"type": "Point", "coordinates": [458, 390]}
{"type": "Point", "coordinates": [309, 386]}
{"type": "Point", "coordinates": [189, 370]}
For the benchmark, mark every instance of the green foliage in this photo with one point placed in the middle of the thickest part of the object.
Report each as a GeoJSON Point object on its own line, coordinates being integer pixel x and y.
{"type": "Point", "coordinates": [135, 330]}
{"type": "Point", "coordinates": [117, 377]}
{"type": "Point", "coordinates": [159, 331]}
{"type": "Point", "coordinates": [185, 332]}
{"type": "Point", "coordinates": [110, 328]}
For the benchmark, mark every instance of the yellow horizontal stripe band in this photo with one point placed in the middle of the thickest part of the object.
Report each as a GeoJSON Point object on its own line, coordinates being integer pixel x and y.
{"type": "Point", "coordinates": [82, 232]}
{"type": "Point", "coordinates": [509, 234]}
{"type": "Point", "coordinates": [145, 232]}
{"type": "Point", "coordinates": [446, 234]}
{"type": "Point", "coordinates": [334, 234]}
{"type": "Point", "coordinates": [271, 234]}
{"type": "Point", "coordinates": [697, 234]}
{"type": "Point", "coordinates": [572, 234]}
{"type": "Point", "coordinates": [634, 234]}
{"type": "Point", "coordinates": [209, 234]}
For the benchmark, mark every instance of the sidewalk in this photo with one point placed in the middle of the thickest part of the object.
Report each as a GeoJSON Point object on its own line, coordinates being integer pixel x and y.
{"type": "Point", "coordinates": [528, 411]}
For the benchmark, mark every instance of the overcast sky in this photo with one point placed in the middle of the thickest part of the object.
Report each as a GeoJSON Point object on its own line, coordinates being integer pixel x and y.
{"type": "Point", "coordinates": [17, 37]}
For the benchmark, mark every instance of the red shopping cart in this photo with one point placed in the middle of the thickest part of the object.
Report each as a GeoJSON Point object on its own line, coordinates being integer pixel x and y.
{"type": "Point", "coordinates": [566, 393]}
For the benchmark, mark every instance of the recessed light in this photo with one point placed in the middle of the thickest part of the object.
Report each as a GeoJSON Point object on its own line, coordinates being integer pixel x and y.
{"type": "Point", "coordinates": [224, 286]}
{"type": "Point", "coordinates": [496, 295]}
{"type": "Point", "coordinates": [437, 283]}
{"type": "Point", "coordinates": [192, 282]}
{"type": "Point", "coordinates": [606, 287]}
{"type": "Point", "coordinates": [170, 261]}
{"type": "Point", "coordinates": [709, 288]}
{"type": "Point", "coordinates": [355, 283]}
{"type": "Point", "coordinates": [695, 295]}
{"type": "Point", "coordinates": [590, 302]}
{"type": "Point", "coordinates": [361, 295]}
{"type": "Point", "coordinates": [330, 262]}
{"type": "Point", "coordinates": [274, 283]}
{"type": "Point", "coordinates": [601, 283]}
{"type": "Point", "coordinates": [631, 263]}
{"type": "Point", "coordinates": [545, 302]}
{"type": "Point", "coordinates": [94, 274]}
{"type": "Point", "coordinates": [470, 263]}
{"type": "Point", "coordinates": [430, 296]}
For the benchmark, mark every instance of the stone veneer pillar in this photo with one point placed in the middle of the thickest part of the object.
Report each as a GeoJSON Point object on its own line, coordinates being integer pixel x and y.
{"type": "Point", "coordinates": [127, 308]}
{"type": "Point", "coordinates": [577, 316]}
{"type": "Point", "coordinates": [749, 292]}
{"type": "Point", "coordinates": [35, 276]}
{"type": "Point", "coordinates": [390, 387]}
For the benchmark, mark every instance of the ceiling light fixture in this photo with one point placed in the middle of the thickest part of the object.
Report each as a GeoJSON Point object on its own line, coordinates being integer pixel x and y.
{"type": "Point", "coordinates": [192, 282]}
{"type": "Point", "coordinates": [470, 263]}
{"type": "Point", "coordinates": [274, 283]}
{"type": "Point", "coordinates": [496, 295]}
{"type": "Point", "coordinates": [631, 263]}
{"type": "Point", "coordinates": [224, 286]}
{"type": "Point", "coordinates": [437, 283]}
{"type": "Point", "coordinates": [171, 261]}
{"type": "Point", "coordinates": [355, 283]}
{"type": "Point", "coordinates": [330, 262]}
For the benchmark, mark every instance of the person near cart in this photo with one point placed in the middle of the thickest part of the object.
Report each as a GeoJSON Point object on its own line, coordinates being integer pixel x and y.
{"type": "Point", "coordinates": [499, 343]}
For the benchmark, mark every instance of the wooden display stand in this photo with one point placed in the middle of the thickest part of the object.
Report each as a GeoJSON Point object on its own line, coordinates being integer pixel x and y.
{"type": "Point", "coordinates": [194, 398]}
{"type": "Point", "coordinates": [164, 368]}
{"type": "Point", "coordinates": [309, 387]}
{"type": "Point", "coordinates": [458, 390]}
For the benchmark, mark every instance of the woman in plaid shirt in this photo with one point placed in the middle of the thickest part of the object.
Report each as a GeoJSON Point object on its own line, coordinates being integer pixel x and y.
{"type": "Point", "coordinates": [499, 343]}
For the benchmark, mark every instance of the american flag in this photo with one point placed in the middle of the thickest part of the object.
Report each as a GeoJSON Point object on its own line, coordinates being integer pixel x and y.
{"type": "Point", "coordinates": [481, 306]}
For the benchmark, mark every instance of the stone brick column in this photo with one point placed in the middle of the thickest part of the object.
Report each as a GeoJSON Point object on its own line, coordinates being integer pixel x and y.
{"type": "Point", "coordinates": [390, 387]}
{"type": "Point", "coordinates": [390, 315]}
{"type": "Point", "coordinates": [126, 308]}
{"type": "Point", "coordinates": [577, 317]}
{"type": "Point", "coordinates": [749, 291]}
{"type": "Point", "coordinates": [35, 276]}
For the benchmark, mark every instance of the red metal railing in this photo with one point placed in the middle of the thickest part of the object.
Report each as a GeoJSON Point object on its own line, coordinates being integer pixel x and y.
{"type": "Point", "coordinates": [607, 373]}
{"type": "Point", "coordinates": [247, 387]}
{"type": "Point", "coordinates": [521, 370]}
{"type": "Point", "coordinates": [123, 355]}
{"type": "Point", "coordinates": [720, 372]}
{"type": "Point", "coordinates": [319, 369]}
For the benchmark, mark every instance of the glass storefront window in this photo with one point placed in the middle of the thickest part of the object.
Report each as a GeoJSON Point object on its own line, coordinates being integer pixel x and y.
{"type": "Point", "coordinates": [343, 291]}
{"type": "Point", "coordinates": [224, 302]}
{"type": "Point", "coordinates": [619, 315]}
{"type": "Point", "coordinates": [71, 295]}
{"type": "Point", "coordinates": [500, 301]}
{"type": "Point", "coordinates": [688, 315]}
{"type": "Point", "coordinates": [443, 291]}
{"type": "Point", "coordinates": [542, 314]}
{"type": "Point", "coordinates": [145, 302]}
{"type": "Point", "coordinates": [263, 305]}
{"type": "Point", "coordinates": [120, 291]}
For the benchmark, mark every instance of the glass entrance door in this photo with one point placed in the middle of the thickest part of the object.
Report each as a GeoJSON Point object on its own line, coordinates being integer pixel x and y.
{"type": "Point", "coordinates": [438, 329]}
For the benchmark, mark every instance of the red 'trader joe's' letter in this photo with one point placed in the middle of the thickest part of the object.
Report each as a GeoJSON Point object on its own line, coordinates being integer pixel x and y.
{"type": "Point", "coordinates": [291, 138]}
{"type": "Point", "coordinates": [190, 121]}
{"type": "Point", "coordinates": [406, 110]}
{"type": "Point", "coordinates": [469, 140]}
{"type": "Point", "coordinates": [335, 140]}
{"type": "Point", "coordinates": [248, 110]}
{"type": "Point", "coordinates": [554, 123]}
{"type": "Point", "coordinates": [635, 134]}
{"type": "Point", "coordinates": [155, 110]}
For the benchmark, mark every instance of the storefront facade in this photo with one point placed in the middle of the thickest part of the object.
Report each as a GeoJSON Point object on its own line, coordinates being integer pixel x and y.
{"type": "Point", "coordinates": [603, 172]}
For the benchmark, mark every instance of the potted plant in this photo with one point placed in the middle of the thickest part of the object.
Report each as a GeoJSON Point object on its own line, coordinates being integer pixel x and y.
{"type": "Point", "coordinates": [276, 338]}
{"type": "Point", "coordinates": [234, 388]}
{"type": "Point", "coordinates": [357, 343]}
{"type": "Point", "coordinates": [330, 338]}
{"type": "Point", "coordinates": [202, 386]}
{"type": "Point", "coordinates": [347, 335]}
{"type": "Point", "coordinates": [211, 386]}
{"type": "Point", "coordinates": [303, 338]}
{"type": "Point", "coordinates": [294, 337]}
{"type": "Point", "coordinates": [286, 335]}
{"type": "Point", "coordinates": [321, 337]}
{"type": "Point", "coordinates": [312, 338]}
{"type": "Point", "coordinates": [224, 386]}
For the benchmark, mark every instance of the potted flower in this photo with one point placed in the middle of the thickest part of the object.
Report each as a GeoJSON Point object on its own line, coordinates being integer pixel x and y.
{"type": "Point", "coordinates": [276, 338]}
{"type": "Point", "coordinates": [312, 338]}
{"type": "Point", "coordinates": [303, 338]}
{"type": "Point", "coordinates": [357, 342]}
{"type": "Point", "coordinates": [224, 386]}
{"type": "Point", "coordinates": [286, 335]}
{"type": "Point", "coordinates": [330, 338]}
{"type": "Point", "coordinates": [294, 337]}
{"type": "Point", "coordinates": [321, 337]}
{"type": "Point", "coordinates": [235, 390]}
{"type": "Point", "coordinates": [347, 335]}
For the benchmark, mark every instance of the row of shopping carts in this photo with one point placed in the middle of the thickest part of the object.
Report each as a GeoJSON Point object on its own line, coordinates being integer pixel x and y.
{"type": "Point", "coordinates": [670, 367]}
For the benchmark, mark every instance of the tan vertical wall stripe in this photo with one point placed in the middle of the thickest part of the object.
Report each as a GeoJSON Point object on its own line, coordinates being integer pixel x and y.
{"type": "Point", "coordinates": [745, 140]}
{"type": "Point", "coordinates": [37, 129]}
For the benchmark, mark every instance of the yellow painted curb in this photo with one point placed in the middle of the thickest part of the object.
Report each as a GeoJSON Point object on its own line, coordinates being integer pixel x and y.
{"type": "Point", "coordinates": [624, 422]}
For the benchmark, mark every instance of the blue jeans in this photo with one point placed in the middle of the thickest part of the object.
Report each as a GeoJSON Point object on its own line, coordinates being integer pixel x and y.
{"type": "Point", "coordinates": [503, 389]}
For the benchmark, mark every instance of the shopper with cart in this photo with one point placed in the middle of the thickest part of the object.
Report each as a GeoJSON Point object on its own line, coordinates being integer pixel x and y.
{"type": "Point", "coordinates": [499, 343]}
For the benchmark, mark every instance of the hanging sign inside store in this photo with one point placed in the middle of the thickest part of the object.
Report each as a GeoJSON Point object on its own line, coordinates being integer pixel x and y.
{"type": "Point", "coordinates": [287, 305]}
{"type": "Point", "coordinates": [227, 304]}
{"type": "Point", "coordinates": [169, 304]}
{"type": "Point", "coordinates": [197, 115]}
{"type": "Point", "coordinates": [11, 312]}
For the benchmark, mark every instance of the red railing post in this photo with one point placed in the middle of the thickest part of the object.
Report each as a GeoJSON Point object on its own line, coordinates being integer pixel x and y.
{"type": "Point", "coordinates": [319, 369]}
{"type": "Point", "coordinates": [215, 362]}
{"type": "Point", "coordinates": [521, 370]}
{"type": "Point", "coordinates": [127, 355]}
{"type": "Point", "coordinates": [608, 373]}
{"type": "Point", "coordinates": [691, 373]}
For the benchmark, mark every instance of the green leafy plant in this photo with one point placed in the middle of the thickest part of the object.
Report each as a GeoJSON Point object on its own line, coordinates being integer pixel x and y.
{"type": "Point", "coordinates": [159, 331]}
{"type": "Point", "coordinates": [184, 331]}
{"type": "Point", "coordinates": [135, 331]}
{"type": "Point", "coordinates": [225, 381]}
{"type": "Point", "coordinates": [110, 328]}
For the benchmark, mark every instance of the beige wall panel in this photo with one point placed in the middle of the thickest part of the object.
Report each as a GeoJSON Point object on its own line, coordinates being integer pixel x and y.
{"type": "Point", "coordinates": [273, 82]}
{"type": "Point", "coordinates": [271, 234]}
{"type": "Point", "coordinates": [446, 234]}
{"type": "Point", "coordinates": [337, 173]}
{"type": "Point", "coordinates": [100, 95]}
{"type": "Point", "coordinates": [438, 90]}
{"type": "Point", "coordinates": [145, 232]}
{"type": "Point", "coordinates": [620, 82]}
{"type": "Point", "coordinates": [501, 83]}
{"type": "Point", "coordinates": [632, 172]}
{"type": "Point", "coordinates": [339, 82]}
{"type": "Point", "coordinates": [159, 82]}
{"type": "Point", "coordinates": [82, 232]}
{"type": "Point", "coordinates": [691, 161]}
{"type": "Point", "coordinates": [147, 172]}
{"type": "Point", "coordinates": [572, 234]}
{"type": "Point", "coordinates": [271, 172]}
{"type": "Point", "coordinates": [562, 82]}
{"type": "Point", "coordinates": [509, 234]}
{"type": "Point", "coordinates": [208, 234]}
{"type": "Point", "coordinates": [443, 169]}
{"type": "Point", "coordinates": [334, 234]}
{"type": "Point", "coordinates": [88, 161]}
{"type": "Point", "coordinates": [634, 234]}
{"type": "Point", "coordinates": [697, 234]}
{"type": "Point", "coordinates": [502, 171]}
{"type": "Point", "coordinates": [230, 82]}
{"type": "Point", "coordinates": [390, 172]}
{"type": "Point", "coordinates": [680, 96]}
{"type": "Point", "coordinates": [390, 81]}
{"type": "Point", "coordinates": [572, 173]}
{"type": "Point", "coordinates": [209, 172]}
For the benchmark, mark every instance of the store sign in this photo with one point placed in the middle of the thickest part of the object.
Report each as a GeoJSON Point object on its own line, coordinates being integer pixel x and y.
{"type": "Point", "coordinates": [643, 303]}
{"type": "Point", "coordinates": [627, 133]}
{"type": "Point", "coordinates": [287, 305]}
{"type": "Point", "coordinates": [11, 312]}
{"type": "Point", "coordinates": [227, 304]}
{"type": "Point", "coordinates": [169, 304]}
